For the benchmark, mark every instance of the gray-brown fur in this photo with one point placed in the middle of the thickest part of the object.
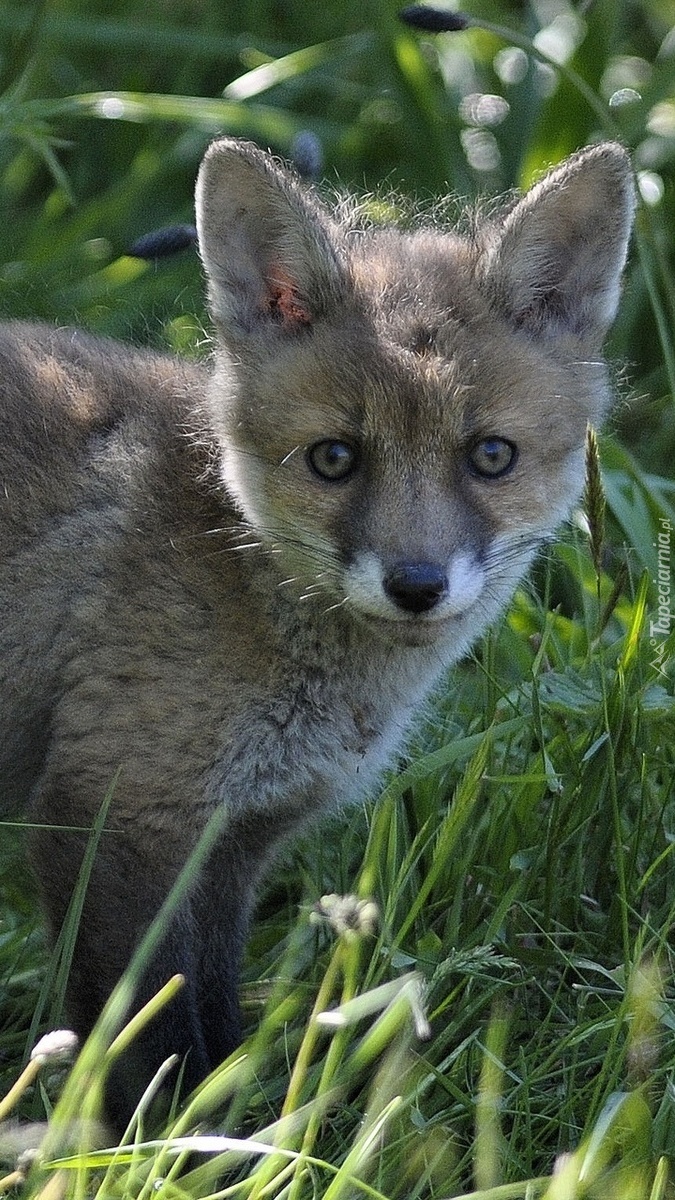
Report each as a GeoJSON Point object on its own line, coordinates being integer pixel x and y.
{"type": "Point", "coordinates": [190, 609]}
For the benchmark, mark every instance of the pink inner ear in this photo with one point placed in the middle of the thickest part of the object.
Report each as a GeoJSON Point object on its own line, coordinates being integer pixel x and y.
{"type": "Point", "coordinates": [283, 302]}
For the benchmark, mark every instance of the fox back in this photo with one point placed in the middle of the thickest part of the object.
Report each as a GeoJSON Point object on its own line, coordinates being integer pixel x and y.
{"type": "Point", "coordinates": [231, 586]}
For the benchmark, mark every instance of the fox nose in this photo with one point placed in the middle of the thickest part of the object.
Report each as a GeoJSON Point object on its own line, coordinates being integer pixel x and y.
{"type": "Point", "coordinates": [416, 586]}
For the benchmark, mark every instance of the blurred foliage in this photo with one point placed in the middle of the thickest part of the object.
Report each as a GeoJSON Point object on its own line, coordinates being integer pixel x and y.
{"type": "Point", "coordinates": [106, 111]}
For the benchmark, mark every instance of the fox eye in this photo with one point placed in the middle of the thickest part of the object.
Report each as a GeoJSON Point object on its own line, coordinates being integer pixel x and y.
{"type": "Point", "coordinates": [492, 457]}
{"type": "Point", "coordinates": [332, 460]}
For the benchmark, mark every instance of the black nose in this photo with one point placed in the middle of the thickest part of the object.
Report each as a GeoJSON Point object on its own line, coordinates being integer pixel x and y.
{"type": "Point", "coordinates": [416, 586]}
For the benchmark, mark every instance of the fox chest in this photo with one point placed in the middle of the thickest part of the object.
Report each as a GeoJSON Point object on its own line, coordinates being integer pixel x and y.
{"type": "Point", "coordinates": [308, 749]}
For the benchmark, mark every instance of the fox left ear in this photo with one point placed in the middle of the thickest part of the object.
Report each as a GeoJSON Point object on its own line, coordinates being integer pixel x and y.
{"type": "Point", "coordinates": [266, 244]}
{"type": "Point", "coordinates": [555, 268]}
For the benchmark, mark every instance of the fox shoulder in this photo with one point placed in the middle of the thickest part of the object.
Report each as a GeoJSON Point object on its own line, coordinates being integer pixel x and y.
{"type": "Point", "coordinates": [76, 410]}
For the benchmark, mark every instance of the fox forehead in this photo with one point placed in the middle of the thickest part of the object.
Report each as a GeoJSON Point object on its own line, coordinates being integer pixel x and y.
{"type": "Point", "coordinates": [421, 277]}
{"type": "Point", "coordinates": [354, 383]}
{"type": "Point", "coordinates": [416, 377]}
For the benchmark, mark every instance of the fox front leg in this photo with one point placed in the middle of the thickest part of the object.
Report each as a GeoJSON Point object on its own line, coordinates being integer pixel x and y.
{"type": "Point", "coordinates": [124, 893]}
{"type": "Point", "coordinates": [222, 908]}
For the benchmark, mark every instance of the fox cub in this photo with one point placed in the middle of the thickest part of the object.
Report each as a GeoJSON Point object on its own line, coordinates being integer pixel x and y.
{"type": "Point", "coordinates": [231, 586]}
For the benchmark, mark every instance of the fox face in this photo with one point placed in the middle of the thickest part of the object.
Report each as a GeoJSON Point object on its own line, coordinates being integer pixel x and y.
{"type": "Point", "coordinates": [416, 429]}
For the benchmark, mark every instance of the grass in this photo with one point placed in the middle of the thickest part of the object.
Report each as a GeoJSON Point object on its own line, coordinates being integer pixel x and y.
{"type": "Point", "coordinates": [506, 1026]}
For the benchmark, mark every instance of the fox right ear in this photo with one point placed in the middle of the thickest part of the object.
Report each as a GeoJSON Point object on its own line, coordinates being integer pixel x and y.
{"type": "Point", "coordinates": [265, 243]}
{"type": "Point", "coordinates": [555, 269]}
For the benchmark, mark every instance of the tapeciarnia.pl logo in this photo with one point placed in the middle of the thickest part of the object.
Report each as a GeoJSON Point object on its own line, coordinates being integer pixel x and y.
{"type": "Point", "coordinates": [661, 626]}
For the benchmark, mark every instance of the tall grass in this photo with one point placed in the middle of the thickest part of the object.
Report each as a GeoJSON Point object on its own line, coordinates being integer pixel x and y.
{"type": "Point", "coordinates": [506, 1026]}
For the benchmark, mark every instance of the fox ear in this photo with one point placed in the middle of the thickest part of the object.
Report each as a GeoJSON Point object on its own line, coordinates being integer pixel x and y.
{"type": "Point", "coordinates": [265, 243]}
{"type": "Point", "coordinates": [556, 266]}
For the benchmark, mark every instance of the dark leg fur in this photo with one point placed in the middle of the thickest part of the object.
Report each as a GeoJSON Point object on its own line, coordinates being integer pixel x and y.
{"type": "Point", "coordinates": [222, 908]}
{"type": "Point", "coordinates": [203, 942]}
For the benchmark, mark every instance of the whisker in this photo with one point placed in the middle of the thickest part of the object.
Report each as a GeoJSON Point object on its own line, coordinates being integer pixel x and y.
{"type": "Point", "coordinates": [339, 604]}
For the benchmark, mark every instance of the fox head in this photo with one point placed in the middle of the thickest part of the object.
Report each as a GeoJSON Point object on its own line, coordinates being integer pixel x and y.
{"type": "Point", "coordinates": [401, 415]}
